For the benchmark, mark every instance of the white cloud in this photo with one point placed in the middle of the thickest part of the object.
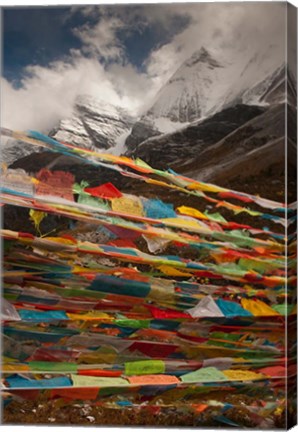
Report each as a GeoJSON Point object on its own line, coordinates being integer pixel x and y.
{"type": "Point", "coordinates": [48, 94]}
{"type": "Point", "coordinates": [231, 30]}
{"type": "Point", "coordinates": [101, 39]}
{"type": "Point", "coordinates": [134, 88]}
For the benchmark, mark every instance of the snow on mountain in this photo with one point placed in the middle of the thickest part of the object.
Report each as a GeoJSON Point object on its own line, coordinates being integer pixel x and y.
{"type": "Point", "coordinates": [255, 77]}
{"type": "Point", "coordinates": [208, 82]}
{"type": "Point", "coordinates": [192, 91]}
{"type": "Point", "coordinates": [94, 124]}
{"type": "Point", "coordinates": [120, 147]}
{"type": "Point", "coordinates": [13, 150]}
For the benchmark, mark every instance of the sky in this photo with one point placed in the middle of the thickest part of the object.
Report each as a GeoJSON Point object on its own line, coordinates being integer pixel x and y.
{"type": "Point", "coordinates": [121, 54]}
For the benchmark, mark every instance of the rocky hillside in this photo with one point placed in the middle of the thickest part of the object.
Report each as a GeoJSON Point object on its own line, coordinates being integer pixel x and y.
{"type": "Point", "coordinates": [240, 141]}
{"type": "Point", "coordinates": [188, 142]}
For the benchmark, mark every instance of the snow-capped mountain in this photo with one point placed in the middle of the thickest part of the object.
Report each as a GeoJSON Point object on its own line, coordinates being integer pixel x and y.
{"type": "Point", "coordinates": [237, 112]}
{"type": "Point", "coordinates": [208, 82]}
{"type": "Point", "coordinates": [191, 92]}
{"type": "Point", "coordinates": [188, 95]}
{"type": "Point", "coordinates": [93, 124]}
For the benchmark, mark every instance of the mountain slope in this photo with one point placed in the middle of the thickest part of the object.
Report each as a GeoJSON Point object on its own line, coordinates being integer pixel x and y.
{"type": "Point", "coordinates": [190, 141]}
{"type": "Point", "coordinates": [93, 124]}
{"type": "Point", "coordinates": [246, 150]}
{"type": "Point", "coordinates": [237, 142]}
{"type": "Point", "coordinates": [14, 150]}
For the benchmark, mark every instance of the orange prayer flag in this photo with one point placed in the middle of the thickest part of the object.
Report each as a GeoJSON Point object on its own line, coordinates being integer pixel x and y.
{"type": "Point", "coordinates": [153, 380]}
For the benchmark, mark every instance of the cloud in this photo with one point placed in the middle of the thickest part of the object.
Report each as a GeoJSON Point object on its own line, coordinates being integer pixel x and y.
{"type": "Point", "coordinates": [101, 39]}
{"type": "Point", "coordinates": [234, 31]}
{"type": "Point", "coordinates": [47, 94]}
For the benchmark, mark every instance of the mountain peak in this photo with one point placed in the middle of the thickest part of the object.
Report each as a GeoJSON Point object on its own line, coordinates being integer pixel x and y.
{"type": "Point", "coordinates": [201, 56]}
{"type": "Point", "coordinates": [191, 91]}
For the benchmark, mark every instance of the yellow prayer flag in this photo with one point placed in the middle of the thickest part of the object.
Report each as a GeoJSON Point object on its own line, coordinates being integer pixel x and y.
{"type": "Point", "coordinates": [257, 307]}
{"type": "Point", "coordinates": [242, 375]}
{"type": "Point", "coordinates": [37, 216]}
{"type": "Point", "coordinates": [189, 211]}
{"type": "Point", "coordinates": [89, 316]}
{"type": "Point", "coordinates": [171, 271]}
{"type": "Point", "coordinates": [128, 205]}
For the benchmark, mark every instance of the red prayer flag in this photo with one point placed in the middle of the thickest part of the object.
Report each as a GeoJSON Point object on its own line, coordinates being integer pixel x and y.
{"type": "Point", "coordinates": [235, 195]}
{"type": "Point", "coordinates": [126, 243]}
{"type": "Point", "coordinates": [166, 313]}
{"type": "Point", "coordinates": [106, 190]}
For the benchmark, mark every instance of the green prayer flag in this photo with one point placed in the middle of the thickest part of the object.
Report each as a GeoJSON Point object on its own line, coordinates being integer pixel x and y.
{"type": "Point", "coordinates": [216, 217]}
{"type": "Point", "coordinates": [144, 367]}
{"type": "Point", "coordinates": [133, 323]}
{"type": "Point", "coordinates": [52, 366]}
{"type": "Point", "coordinates": [209, 374]}
{"type": "Point", "coordinates": [283, 309]}
{"type": "Point", "coordinates": [89, 200]}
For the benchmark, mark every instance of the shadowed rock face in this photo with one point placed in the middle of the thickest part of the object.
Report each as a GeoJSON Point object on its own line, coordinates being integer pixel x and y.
{"type": "Point", "coordinates": [140, 132]}
{"type": "Point", "coordinates": [238, 142]}
{"type": "Point", "coordinates": [189, 142]}
{"type": "Point", "coordinates": [255, 147]}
